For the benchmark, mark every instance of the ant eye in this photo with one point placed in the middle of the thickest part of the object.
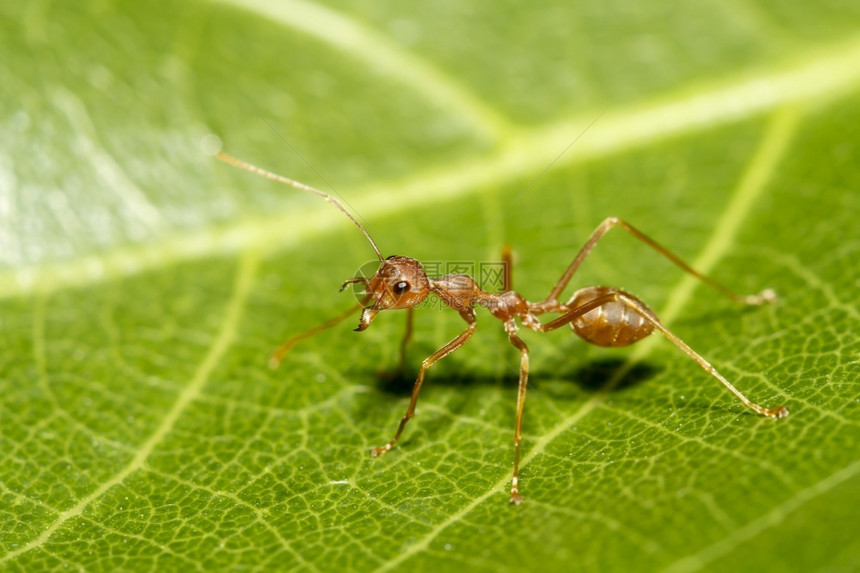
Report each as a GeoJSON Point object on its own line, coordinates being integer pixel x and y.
{"type": "Point", "coordinates": [400, 288]}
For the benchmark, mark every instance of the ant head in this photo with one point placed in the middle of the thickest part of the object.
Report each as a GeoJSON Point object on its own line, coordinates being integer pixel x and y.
{"type": "Point", "coordinates": [400, 282]}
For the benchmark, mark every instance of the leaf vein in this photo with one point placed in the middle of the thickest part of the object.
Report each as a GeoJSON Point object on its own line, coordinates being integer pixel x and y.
{"type": "Point", "coordinates": [773, 518]}
{"type": "Point", "coordinates": [358, 41]}
{"type": "Point", "coordinates": [244, 279]}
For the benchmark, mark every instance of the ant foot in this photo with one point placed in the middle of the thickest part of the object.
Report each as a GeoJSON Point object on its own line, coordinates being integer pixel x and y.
{"type": "Point", "coordinates": [777, 413]}
{"type": "Point", "coordinates": [768, 295]}
{"type": "Point", "coordinates": [380, 450]}
{"type": "Point", "coordinates": [516, 498]}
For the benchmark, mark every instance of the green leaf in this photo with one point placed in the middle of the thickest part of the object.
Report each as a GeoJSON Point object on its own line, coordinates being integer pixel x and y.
{"type": "Point", "coordinates": [143, 284]}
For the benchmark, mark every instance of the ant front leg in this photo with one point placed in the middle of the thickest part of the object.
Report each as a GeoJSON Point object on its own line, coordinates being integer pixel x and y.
{"type": "Point", "coordinates": [279, 354]}
{"type": "Point", "coordinates": [461, 339]}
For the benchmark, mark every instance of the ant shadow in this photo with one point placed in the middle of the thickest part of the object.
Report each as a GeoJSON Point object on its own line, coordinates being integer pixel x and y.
{"type": "Point", "coordinates": [592, 377]}
{"type": "Point", "coordinates": [595, 375]}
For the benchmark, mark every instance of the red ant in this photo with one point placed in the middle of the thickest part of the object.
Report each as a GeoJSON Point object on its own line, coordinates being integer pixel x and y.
{"type": "Point", "coordinates": [601, 315]}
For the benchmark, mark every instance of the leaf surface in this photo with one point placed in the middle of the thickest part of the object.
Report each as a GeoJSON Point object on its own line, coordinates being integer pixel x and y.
{"type": "Point", "coordinates": [143, 284]}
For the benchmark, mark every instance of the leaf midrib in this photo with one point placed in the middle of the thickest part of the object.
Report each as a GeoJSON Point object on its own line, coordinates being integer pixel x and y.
{"type": "Point", "coordinates": [528, 153]}
{"type": "Point", "coordinates": [383, 57]}
{"type": "Point", "coordinates": [830, 74]}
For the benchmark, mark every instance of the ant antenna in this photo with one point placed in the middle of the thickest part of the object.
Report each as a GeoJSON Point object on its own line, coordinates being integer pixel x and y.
{"type": "Point", "coordinates": [229, 159]}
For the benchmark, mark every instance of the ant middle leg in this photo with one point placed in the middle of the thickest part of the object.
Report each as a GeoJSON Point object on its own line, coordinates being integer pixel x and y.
{"type": "Point", "coordinates": [458, 341]}
{"type": "Point", "coordinates": [511, 329]}
{"type": "Point", "coordinates": [551, 300]}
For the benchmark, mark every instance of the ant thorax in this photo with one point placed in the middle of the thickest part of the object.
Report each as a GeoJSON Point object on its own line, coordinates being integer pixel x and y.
{"type": "Point", "coordinates": [456, 291]}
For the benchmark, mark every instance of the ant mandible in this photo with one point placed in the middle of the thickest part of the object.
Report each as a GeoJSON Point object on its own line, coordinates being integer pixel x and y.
{"type": "Point", "coordinates": [601, 315]}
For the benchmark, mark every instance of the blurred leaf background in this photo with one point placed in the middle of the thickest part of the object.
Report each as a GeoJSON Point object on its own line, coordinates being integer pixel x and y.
{"type": "Point", "coordinates": [143, 284]}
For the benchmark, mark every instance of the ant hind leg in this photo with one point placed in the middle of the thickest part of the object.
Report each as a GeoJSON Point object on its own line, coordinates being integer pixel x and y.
{"type": "Point", "coordinates": [642, 310]}
{"type": "Point", "coordinates": [766, 296]}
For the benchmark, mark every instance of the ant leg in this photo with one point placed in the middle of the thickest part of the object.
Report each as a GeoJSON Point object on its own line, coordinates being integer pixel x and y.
{"type": "Point", "coordinates": [404, 343]}
{"type": "Point", "coordinates": [511, 329]}
{"type": "Point", "coordinates": [766, 295]}
{"type": "Point", "coordinates": [642, 310]}
{"type": "Point", "coordinates": [508, 265]}
{"type": "Point", "coordinates": [458, 341]}
{"type": "Point", "coordinates": [639, 308]}
{"type": "Point", "coordinates": [582, 309]}
{"type": "Point", "coordinates": [284, 348]}
{"type": "Point", "coordinates": [407, 336]}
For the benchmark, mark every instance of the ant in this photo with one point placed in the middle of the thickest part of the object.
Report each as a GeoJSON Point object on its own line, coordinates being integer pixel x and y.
{"type": "Point", "coordinates": [601, 315]}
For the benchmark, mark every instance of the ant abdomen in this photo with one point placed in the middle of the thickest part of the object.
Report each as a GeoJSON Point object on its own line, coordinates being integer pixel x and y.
{"type": "Point", "coordinates": [614, 323]}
